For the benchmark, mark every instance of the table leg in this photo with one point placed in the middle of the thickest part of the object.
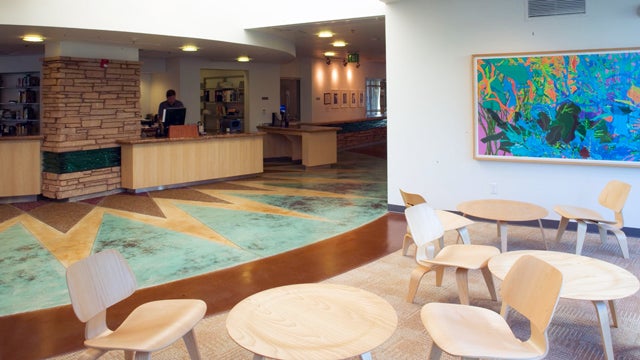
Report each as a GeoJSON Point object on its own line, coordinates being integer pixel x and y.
{"type": "Point", "coordinates": [542, 231]}
{"type": "Point", "coordinates": [603, 319]}
{"type": "Point", "coordinates": [366, 356]}
{"type": "Point", "coordinates": [502, 230]}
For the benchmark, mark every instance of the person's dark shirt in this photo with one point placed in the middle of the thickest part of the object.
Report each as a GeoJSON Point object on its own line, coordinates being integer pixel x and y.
{"type": "Point", "coordinates": [165, 105]}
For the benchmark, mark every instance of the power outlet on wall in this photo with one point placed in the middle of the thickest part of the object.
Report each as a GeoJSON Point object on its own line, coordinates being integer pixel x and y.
{"type": "Point", "coordinates": [494, 188]}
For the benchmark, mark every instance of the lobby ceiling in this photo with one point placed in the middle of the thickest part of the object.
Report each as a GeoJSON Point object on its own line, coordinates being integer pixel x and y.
{"type": "Point", "coordinates": [365, 36]}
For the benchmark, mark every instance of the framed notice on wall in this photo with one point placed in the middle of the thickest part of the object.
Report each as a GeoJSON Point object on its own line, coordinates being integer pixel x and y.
{"type": "Point", "coordinates": [564, 107]}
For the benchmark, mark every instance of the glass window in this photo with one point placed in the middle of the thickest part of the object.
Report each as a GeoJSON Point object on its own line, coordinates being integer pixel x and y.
{"type": "Point", "coordinates": [376, 99]}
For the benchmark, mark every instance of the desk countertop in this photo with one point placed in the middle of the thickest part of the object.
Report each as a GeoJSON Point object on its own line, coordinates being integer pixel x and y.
{"type": "Point", "coordinates": [298, 128]}
{"type": "Point", "coordinates": [150, 140]}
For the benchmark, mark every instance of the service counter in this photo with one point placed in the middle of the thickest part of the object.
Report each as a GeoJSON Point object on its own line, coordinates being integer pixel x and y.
{"type": "Point", "coordinates": [21, 160]}
{"type": "Point", "coordinates": [152, 163]}
{"type": "Point", "coordinates": [312, 145]}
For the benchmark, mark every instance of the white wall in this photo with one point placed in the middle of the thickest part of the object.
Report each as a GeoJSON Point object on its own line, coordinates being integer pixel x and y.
{"type": "Point", "coordinates": [429, 79]}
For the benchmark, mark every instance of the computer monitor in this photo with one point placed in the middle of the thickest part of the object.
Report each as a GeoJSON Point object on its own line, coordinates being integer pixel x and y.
{"type": "Point", "coordinates": [173, 116]}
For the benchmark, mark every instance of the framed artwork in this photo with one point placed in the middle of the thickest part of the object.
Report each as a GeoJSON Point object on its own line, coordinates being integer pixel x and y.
{"type": "Point", "coordinates": [335, 99]}
{"type": "Point", "coordinates": [327, 98]}
{"type": "Point", "coordinates": [353, 99]}
{"type": "Point", "coordinates": [344, 99]}
{"type": "Point", "coordinates": [558, 107]}
{"type": "Point", "coordinates": [361, 98]}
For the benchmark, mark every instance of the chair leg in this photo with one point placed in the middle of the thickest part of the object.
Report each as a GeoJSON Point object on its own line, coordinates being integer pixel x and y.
{"type": "Point", "coordinates": [463, 285]}
{"type": "Point", "coordinates": [622, 241]}
{"type": "Point", "coordinates": [614, 315]}
{"type": "Point", "coordinates": [406, 242]}
{"type": "Point", "coordinates": [414, 281]}
{"type": "Point", "coordinates": [603, 234]}
{"type": "Point", "coordinates": [488, 278]}
{"type": "Point", "coordinates": [562, 226]}
{"type": "Point", "coordinates": [581, 234]}
{"type": "Point", "coordinates": [192, 346]}
{"type": "Point", "coordinates": [463, 234]}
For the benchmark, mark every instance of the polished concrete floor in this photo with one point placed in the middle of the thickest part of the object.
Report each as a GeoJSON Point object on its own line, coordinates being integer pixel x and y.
{"type": "Point", "coordinates": [220, 242]}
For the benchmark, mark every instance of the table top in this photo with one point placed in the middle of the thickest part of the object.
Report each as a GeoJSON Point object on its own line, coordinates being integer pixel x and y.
{"type": "Point", "coordinates": [584, 278]}
{"type": "Point", "coordinates": [502, 210]}
{"type": "Point", "coordinates": [311, 321]}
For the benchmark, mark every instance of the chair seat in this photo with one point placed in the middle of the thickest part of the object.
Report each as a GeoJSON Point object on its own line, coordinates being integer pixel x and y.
{"type": "Point", "coordinates": [141, 329]}
{"type": "Point", "coordinates": [579, 213]}
{"type": "Point", "coordinates": [474, 332]}
{"type": "Point", "coordinates": [470, 256]}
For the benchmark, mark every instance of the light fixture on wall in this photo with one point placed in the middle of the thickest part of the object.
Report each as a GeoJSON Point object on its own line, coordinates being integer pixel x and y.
{"type": "Point", "coordinates": [33, 38]}
{"type": "Point", "coordinates": [189, 48]}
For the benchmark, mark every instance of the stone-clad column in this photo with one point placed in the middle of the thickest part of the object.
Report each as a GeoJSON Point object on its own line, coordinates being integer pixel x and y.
{"type": "Point", "coordinates": [87, 104]}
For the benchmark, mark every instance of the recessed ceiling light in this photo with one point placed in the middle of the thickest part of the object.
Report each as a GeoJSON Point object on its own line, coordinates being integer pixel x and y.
{"type": "Point", "coordinates": [243, 59]}
{"type": "Point", "coordinates": [325, 34]}
{"type": "Point", "coordinates": [189, 48]}
{"type": "Point", "coordinates": [339, 43]}
{"type": "Point", "coordinates": [33, 38]}
{"type": "Point", "coordinates": [330, 53]}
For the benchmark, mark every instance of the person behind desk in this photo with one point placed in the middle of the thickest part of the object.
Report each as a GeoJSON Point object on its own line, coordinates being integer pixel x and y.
{"type": "Point", "coordinates": [171, 102]}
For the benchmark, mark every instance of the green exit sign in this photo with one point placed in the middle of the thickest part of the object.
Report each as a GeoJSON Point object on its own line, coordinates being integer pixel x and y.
{"type": "Point", "coordinates": [353, 58]}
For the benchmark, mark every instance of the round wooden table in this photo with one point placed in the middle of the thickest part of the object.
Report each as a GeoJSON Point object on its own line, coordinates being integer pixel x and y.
{"type": "Point", "coordinates": [583, 278]}
{"type": "Point", "coordinates": [504, 211]}
{"type": "Point", "coordinates": [311, 321]}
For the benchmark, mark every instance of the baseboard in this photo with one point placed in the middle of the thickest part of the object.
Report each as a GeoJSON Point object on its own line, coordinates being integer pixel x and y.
{"type": "Point", "coordinates": [546, 223]}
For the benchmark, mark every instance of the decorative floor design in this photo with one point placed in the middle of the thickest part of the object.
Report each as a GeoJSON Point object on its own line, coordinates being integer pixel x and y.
{"type": "Point", "coordinates": [173, 234]}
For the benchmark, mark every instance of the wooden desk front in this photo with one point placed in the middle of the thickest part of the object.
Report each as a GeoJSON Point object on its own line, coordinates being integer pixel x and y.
{"type": "Point", "coordinates": [21, 159]}
{"type": "Point", "coordinates": [151, 163]}
{"type": "Point", "coordinates": [314, 145]}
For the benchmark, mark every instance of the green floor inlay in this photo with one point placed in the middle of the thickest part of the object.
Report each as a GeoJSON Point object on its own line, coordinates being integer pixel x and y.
{"type": "Point", "coordinates": [31, 278]}
{"type": "Point", "coordinates": [158, 255]}
{"type": "Point", "coordinates": [263, 234]}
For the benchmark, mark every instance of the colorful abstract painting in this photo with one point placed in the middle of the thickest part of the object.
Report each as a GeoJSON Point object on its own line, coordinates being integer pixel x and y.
{"type": "Point", "coordinates": [558, 107]}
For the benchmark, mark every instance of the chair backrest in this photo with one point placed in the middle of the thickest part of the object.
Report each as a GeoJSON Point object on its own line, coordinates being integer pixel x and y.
{"type": "Point", "coordinates": [99, 281]}
{"type": "Point", "coordinates": [614, 196]}
{"type": "Point", "coordinates": [425, 227]}
{"type": "Point", "coordinates": [532, 287]}
{"type": "Point", "coordinates": [410, 199]}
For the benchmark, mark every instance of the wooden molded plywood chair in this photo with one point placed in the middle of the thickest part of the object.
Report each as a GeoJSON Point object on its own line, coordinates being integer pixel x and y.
{"type": "Point", "coordinates": [450, 221]}
{"type": "Point", "coordinates": [104, 279]}
{"type": "Point", "coordinates": [426, 228]}
{"type": "Point", "coordinates": [532, 288]}
{"type": "Point", "coordinates": [613, 197]}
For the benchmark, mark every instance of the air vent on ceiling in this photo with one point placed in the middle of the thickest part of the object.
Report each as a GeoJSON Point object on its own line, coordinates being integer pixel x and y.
{"type": "Point", "coordinates": [538, 8]}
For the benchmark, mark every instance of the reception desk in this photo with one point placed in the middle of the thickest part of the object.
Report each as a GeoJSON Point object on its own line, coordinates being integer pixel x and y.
{"type": "Point", "coordinates": [21, 160]}
{"type": "Point", "coordinates": [151, 163]}
{"type": "Point", "coordinates": [313, 145]}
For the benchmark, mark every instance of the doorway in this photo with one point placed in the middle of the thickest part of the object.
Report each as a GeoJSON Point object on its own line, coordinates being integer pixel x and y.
{"type": "Point", "coordinates": [290, 97]}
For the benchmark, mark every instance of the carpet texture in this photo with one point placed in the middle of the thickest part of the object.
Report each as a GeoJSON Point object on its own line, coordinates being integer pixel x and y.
{"type": "Point", "coordinates": [573, 334]}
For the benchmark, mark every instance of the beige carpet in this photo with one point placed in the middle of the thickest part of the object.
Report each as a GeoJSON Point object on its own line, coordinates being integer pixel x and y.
{"type": "Point", "coordinates": [574, 333]}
